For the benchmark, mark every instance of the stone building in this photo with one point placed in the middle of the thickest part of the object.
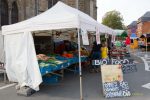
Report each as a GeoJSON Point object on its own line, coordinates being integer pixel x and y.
{"type": "Point", "coordinates": [12, 11]}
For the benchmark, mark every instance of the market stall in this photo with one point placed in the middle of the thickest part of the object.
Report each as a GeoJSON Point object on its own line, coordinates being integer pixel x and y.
{"type": "Point", "coordinates": [118, 50]}
{"type": "Point", "coordinates": [120, 35]}
{"type": "Point", "coordinates": [21, 62]}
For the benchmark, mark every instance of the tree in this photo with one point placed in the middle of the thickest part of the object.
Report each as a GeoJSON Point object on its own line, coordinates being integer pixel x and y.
{"type": "Point", "coordinates": [113, 19]}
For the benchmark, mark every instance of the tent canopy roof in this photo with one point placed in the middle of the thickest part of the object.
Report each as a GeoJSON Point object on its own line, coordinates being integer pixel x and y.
{"type": "Point", "coordinates": [118, 32]}
{"type": "Point", "coordinates": [133, 24]}
{"type": "Point", "coordinates": [60, 16]}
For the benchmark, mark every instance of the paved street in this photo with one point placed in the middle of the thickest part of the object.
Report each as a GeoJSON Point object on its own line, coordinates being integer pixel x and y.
{"type": "Point", "coordinates": [68, 89]}
{"type": "Point", "coordinates": [42, 39]}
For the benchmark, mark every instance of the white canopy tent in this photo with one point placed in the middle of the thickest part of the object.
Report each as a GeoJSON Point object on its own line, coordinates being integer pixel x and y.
{"type": "Point", "coordinates": [1, 48]}
{"type": "Point", "coordinates": [59, 16]}
{"type": "Point", "coordinates": [21, 61]}
{"type": "Point", "coordinates": [118, 32]}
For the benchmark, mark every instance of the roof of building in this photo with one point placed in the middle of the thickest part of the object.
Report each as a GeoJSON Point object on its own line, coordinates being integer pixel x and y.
{"type": "Point", "coordinates": [145, 17]}
{"type": "Point", "coordinates": [133, 24]}
{"type": "Point", "coordinates": [147, 14]}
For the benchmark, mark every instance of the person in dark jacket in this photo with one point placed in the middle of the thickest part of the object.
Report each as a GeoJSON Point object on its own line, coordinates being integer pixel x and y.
{"type": "Point", "coordinates": [95, 55]}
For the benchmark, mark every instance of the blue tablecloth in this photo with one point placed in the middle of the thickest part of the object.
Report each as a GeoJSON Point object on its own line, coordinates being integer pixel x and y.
{"type": "Point", "coordinates": [48, 67]}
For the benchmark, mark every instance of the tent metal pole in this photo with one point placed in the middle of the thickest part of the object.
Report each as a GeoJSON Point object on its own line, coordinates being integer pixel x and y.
{"type": "Point", "coordinates": [80, 68]}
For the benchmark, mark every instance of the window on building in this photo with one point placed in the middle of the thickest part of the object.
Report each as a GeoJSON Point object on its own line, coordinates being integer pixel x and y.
{"type": "Point", "coordinates": [14, 13]}
{"type": "Point", "coordinates": [52, 3]}
{"type": "Point", "coordinates": [4, 13]}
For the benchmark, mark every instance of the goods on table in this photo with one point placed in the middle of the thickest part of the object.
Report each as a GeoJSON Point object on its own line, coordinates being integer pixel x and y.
{"type": "Point", "coordinates": [57, 63]}
{"type": "Point", "coordinates": [50, 62]}
{"type": "Point", "coordinates": [118, 44]}
{"type": "Point", "coordinates": [42, 64]}
{"type": "Point", "coordinates": [84, 52]}
{"type": "Point", "coordinates": [67, 55]}
{"type": "Point", "coordinates": [118, 52]}
{"type": "Point", "coordinates": [42, 57]}
{"type": "Point", "coordinates": [46, 61]}
{"type": "Point", "coordinates": [54, 61]}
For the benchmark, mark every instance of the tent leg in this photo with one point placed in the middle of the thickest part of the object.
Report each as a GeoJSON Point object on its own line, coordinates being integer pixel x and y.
{"type": "Point", "coordinates": [80, 69]}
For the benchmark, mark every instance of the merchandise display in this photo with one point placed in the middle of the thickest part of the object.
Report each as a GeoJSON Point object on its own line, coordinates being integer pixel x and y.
{"type": "Point", "coordinates": [51, 63]}
{"type": "Point", "coordinates": [42, 57]}
{"type": "Point", "coordinates": [118, 52]}
{"type": "Point", "coordinates": [84, 51]}
{"type": "Point", "coordinates": [67, 55]}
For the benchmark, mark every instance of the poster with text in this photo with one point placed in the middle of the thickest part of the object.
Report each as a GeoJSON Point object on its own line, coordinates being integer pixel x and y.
{"type": "Point", "coordinates": [84, 37]}
{"type": "Point", "coordinates": [111, 73]}
{"type": "Point", "coordinates": [98, 36]}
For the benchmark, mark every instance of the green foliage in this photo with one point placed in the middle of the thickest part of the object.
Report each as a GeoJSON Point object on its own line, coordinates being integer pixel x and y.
{"type": "Point", "coordinates": [113, 19]}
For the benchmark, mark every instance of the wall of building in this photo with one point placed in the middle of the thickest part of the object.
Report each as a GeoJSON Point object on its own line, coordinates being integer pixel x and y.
{"type": "Point", "coordinates": [139, 29]}
{"type": "Point", "coordinates": [30, 8]}
{"type": "Point", "coordinates": [146, 27]}
{"type": "Point", "coordinates": [143, 27]}
{"type": "Point", "coordinates": [87, 6]}
{"type": "Point", "coordinates": [129, 32]}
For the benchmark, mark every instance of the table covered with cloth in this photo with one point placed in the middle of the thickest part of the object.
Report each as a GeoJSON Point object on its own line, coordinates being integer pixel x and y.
{"type": "Point", "coordinates": [58, 64]}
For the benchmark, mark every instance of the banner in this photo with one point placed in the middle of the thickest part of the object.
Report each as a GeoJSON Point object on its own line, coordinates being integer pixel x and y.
{"type": "Point", "coordinates": [98, 36]}
{"type": "Point", "coordinates": [113, 38]}
{"type": "Point", "coordinates": [106, 36]}
{"type": "Point", "coordinates": [84, 37]}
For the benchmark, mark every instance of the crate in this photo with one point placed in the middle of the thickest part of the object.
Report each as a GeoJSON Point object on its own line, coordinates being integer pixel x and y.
{"type": "Point", "coordinates": [50, 79]}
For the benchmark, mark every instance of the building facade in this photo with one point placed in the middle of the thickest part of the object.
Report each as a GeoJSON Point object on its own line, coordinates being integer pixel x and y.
{"type": "Point", "coordinates": [132, 28]}
{"type": "Point", "coordinates": [143, 24]}
{"type": "Point", "coordinates": [143, 28]}
{"type": "Point", "coordinates": [13, 11]}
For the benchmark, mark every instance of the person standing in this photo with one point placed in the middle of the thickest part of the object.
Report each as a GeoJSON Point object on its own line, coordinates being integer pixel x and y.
{"type": "Point", "coordinates": [104, 51]}
{"type": "Point", "coordinates": [127, 42]}
{"type": "Point", "coordinates": [96, 51]}
{"type": "Point", "coordinates": [95, 55]}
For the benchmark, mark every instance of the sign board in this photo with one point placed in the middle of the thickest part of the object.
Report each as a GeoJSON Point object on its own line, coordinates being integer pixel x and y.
{"type": "Point", "coordinates": [111, 73]}
{"type": "Point", "coordinates": [128, 65]}
{"type": "Point", "coordinates": [129, 68]}
{"type": "Point", "coordinates": [116, 89]}
{"type": "Point", "coordinates": [112, 81]}
{"type": "Point", "coordinates": [112, 62]}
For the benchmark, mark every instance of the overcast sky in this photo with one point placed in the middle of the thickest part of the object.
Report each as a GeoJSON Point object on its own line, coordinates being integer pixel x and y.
{"type": "Point", "coordinates": [130, 9]}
